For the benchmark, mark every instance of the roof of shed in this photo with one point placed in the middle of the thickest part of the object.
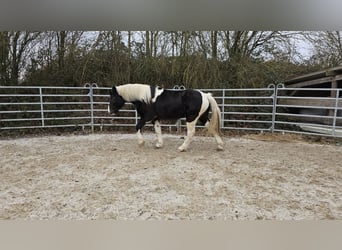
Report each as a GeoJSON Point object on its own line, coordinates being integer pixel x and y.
{"type": "Point", "coordinates": [315, 77]}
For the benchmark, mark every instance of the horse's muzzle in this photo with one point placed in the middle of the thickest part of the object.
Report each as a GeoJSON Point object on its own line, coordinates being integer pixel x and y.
{"type": "Point", "coordinates": [112, 112]}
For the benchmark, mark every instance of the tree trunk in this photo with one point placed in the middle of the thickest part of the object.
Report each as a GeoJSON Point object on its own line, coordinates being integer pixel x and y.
{"type": "Point", "coordinates": [185, 41]}
{"type": "Point", "coordinates": [4, 57]}
{"type": "Point", "coordinates": [154, 45]}
{"type": "Point", "coordinates": [15, 59]}
{"type": "Point", "coordinates": [129, 56]}
{"type": "Point", "coordinates": [214, 45]}
{"type": "Point", "coordinates": [147, 44]}
{"type": "Point", "coordinates": [61, 48]}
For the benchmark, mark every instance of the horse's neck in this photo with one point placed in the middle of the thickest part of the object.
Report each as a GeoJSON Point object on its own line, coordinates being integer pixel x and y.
{"type": "Point", "coordinates": [135, 92]}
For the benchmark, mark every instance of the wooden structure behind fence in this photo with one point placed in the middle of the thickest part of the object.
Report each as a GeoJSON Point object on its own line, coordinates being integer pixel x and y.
{"type": "Point", "coordinates": [306, 88]}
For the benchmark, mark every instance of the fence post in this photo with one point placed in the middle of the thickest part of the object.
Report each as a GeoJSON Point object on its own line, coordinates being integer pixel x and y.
{"type": "Point", "coordinates": [223, 109]}
{"type": "Point", "coordinates": [274, 99]}
{"type": "Point", "coordinates": [136, 116]}
{"type": "Point", "coordinates": [274, 103]}
{"type": "Point", "coordinates": [41, 106]}
{"type": "Point", "coordinates": [91, 98]}
{"type": "Point", "coordinates": [335, 112]}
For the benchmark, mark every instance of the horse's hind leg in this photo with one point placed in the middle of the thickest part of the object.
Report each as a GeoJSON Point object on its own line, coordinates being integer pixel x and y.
{"type": "Point", "coordinates": [204, 119]}
{"type": "Point", "coordinates": [157, 128]}
{"type": "Point", "coordinates": [217, 137]}
{"type": "Point", "coordinates": [218, 141]}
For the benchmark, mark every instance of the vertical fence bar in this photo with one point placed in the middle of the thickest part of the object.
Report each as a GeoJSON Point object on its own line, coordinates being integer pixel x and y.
{"type": "Point", "coordinates": [275, 100]}
{"type": "Point", "coordinates": [337, 95]}
{"type": "Point", "coordinates": [274, 105]}
{"type": "Point", "coordinates": [91, 96]}
{"type": "Point", "coordinates": [136, 116]}
{"type": "Point", "coordinates": [223, 109]}
{"type": "Point", "coordinates": [41, 106]}
{"type": "Point", "coordinates": [91, 99]}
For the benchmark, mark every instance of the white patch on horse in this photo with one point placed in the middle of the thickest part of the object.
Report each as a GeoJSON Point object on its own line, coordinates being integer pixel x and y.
{"type": "Point", "coordinates": [214, 126]}
{"type": "Point", "coordinates": [205, 103]}
{"type": "Point", "coordinates": [190, 127]}
{"type": "Point", "coordinates": [157, 128]}
{"type": "Point", "coordinates": [158, 92]}
{"type": "Point", "coordinates": [140, 138]}
{"type": "Point", "coordinates": [135, 92]}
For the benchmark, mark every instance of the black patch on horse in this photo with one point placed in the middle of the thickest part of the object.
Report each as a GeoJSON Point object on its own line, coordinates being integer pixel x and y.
{"type": "Point", "coordinates": [153, 91]}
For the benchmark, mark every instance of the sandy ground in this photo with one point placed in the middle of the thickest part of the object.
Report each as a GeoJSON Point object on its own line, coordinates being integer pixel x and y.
{"type": "Point", "coordinates": [108, 176]}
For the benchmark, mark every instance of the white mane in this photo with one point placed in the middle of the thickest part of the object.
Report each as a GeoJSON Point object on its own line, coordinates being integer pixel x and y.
{"type": "Point", "coordinates": [135, 92]}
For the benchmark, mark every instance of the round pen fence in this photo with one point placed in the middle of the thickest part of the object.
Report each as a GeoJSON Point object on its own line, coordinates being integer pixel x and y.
{"type": "Point", "coordinates": [276, 108]}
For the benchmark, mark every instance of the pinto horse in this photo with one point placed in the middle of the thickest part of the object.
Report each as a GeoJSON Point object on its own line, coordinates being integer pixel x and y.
{"type": "Point", "coordinates": [154, 103]}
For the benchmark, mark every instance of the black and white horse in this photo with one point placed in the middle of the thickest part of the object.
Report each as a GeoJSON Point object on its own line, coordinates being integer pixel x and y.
{"type": "Point", "coordinates": [154, 103]}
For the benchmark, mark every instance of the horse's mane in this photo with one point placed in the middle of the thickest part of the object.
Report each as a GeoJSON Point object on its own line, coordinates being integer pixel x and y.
{"type": "Point", "coordinates": [135, 92]}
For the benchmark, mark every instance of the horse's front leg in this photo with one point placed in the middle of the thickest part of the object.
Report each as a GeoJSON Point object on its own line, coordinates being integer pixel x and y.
{"type": "Point", "coordinates": [157, 128]}
{"type": "Point", "coordinates": [138, 127]}
{"type": "Point", "coordinates": [190, 133]}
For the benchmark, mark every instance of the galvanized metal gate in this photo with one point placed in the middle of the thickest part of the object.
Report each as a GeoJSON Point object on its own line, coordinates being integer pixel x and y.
{"type": "Point", "coordinates": [271, 109]}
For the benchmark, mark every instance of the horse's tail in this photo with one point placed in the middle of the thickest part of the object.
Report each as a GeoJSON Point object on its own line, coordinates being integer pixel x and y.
{"type": "Point", "coordinates": [214, 126]}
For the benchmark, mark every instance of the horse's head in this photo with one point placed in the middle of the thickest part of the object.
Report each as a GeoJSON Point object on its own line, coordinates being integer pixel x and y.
{"type": "Point", "coordinates": [115, 101]}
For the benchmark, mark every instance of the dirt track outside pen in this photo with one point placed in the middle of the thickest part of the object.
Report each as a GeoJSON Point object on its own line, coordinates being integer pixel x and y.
{"type": "Point", "coordinates": [108, 176]}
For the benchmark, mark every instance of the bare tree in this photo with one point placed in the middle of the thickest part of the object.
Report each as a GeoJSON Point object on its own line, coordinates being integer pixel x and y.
{"type": "Point", "coordinates": [327, 47]}
{"type": "Point", "coordinates": [61, 40]}
{"type": "Point", "coordinates": [148, 44]}
{"type": "Point", "coordinates": [240, 44]}
{"type": "Point", "coordinates": [154, 43]}
{"type": "Point", "coordinates": [185, 43]}
{"type": "Point", "coordinates": [195, 58]}
{"type": "Point", "coordinates": [74, 43]}
{"type": "Point", "coordinates": [4, 57]}
{"type": "Point", "coordinates": [213, 44]}
{"type": "Point", "coordinates": [14, 48]}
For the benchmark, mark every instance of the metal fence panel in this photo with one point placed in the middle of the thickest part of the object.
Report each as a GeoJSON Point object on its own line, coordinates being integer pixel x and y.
{"type": "Point", "coordinates": [272, 109]}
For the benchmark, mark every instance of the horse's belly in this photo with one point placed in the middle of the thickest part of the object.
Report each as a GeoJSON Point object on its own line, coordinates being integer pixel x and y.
{"type": "Point", "coordinates": [171, 114]}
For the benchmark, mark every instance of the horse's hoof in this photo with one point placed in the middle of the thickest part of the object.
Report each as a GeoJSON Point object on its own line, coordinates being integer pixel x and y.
{"type": "Point", "coordinates": [159, 145]}
{"type": "Point", "coordinates": [141, 143]}
{"type": "Point", "coordinates": [181, 149]}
